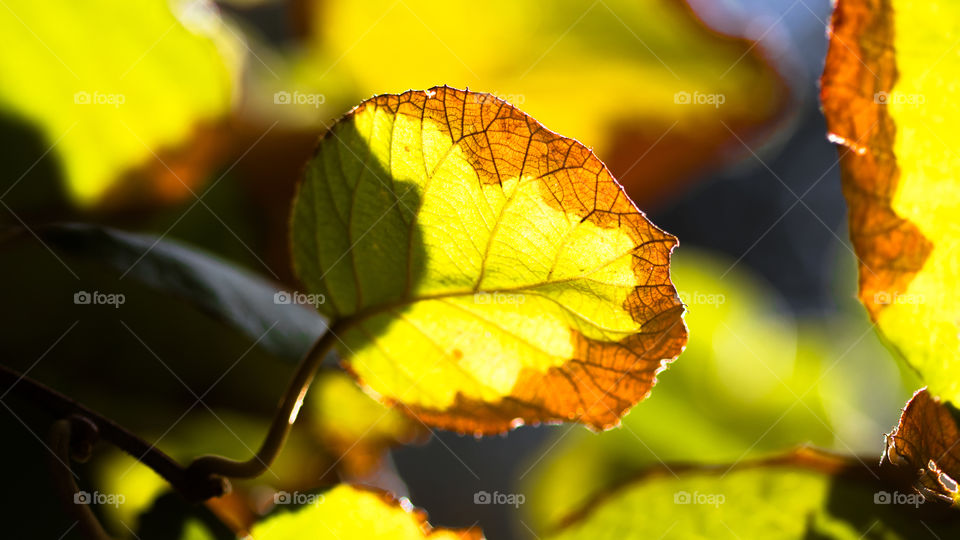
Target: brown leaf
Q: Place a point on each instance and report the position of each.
(927, 441)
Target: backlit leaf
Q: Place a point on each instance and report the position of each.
(890, 97)
(348, 513)
(796, 496)
(926, 444)
(481, 270)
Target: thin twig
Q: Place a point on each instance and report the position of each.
(193, 488)
(283, 419)
(206, 476)
(65, 486)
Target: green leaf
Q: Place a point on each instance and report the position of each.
(111, 83)
(232, 295)
(481, 270)
(797, 496)
(346, 513)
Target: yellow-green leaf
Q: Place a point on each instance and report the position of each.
(110, 84)
(349, 513)
(480, 269)
(801, 495)
(890, 97)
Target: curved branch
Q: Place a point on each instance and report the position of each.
(283, 419)
(206, 476)
(193, 488)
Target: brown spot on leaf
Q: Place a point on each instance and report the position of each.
(860, 66)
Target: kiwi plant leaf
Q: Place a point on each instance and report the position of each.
(220, 289)
(110, 85)
(481, 270)
(889, 97)
(349, 512)
(801, 494)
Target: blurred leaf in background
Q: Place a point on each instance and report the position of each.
(354, 426)
(646, 84)
(113, 84)
(804, 494)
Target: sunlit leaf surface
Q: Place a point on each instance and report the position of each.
(480, 269)
(349, 513)
(890, 97)
(111, 83)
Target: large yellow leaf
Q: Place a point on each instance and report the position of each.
(480, 269)
(890, 96)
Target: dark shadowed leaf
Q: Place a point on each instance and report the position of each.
(235, 296)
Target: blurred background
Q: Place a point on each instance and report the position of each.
(190, 121)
